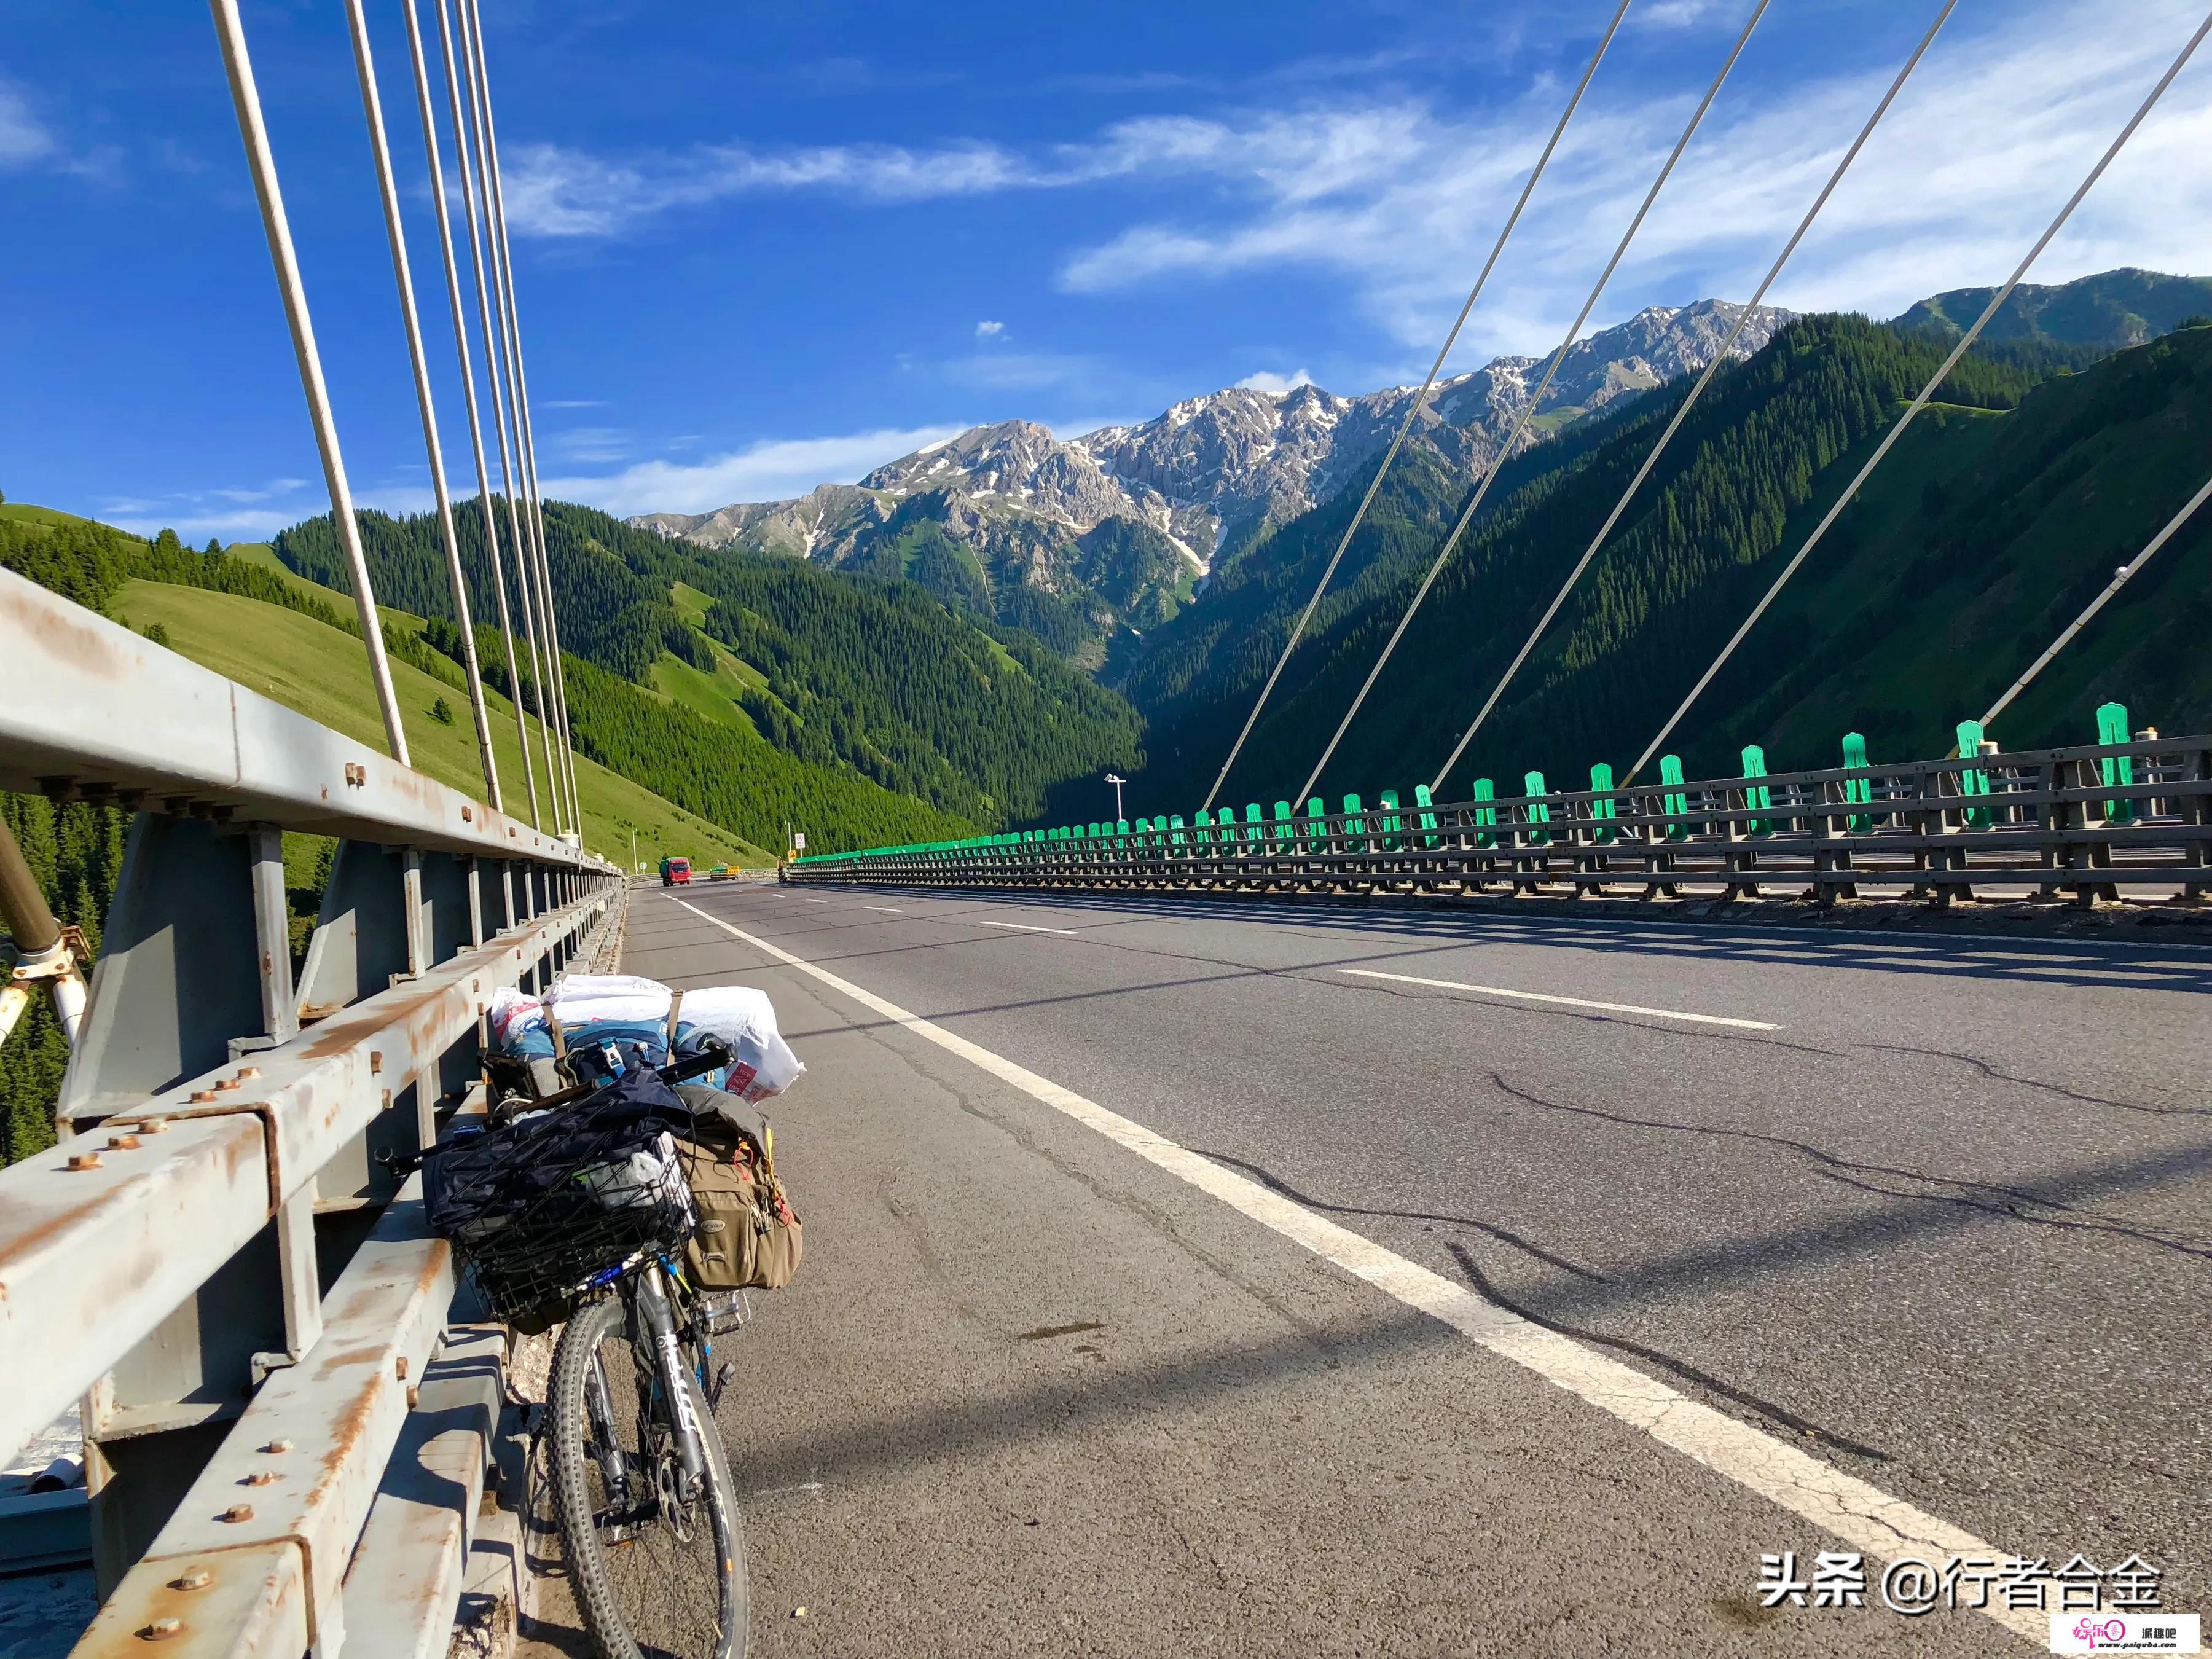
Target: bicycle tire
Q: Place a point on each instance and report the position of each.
(638, 1602)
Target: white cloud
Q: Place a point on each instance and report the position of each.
(555, 191)
(773, 470)
(590, 446)
(23, 138)
(241, 514)
(1677, 14)
(1401, 202)
(987, 330)
(144, 518)
(1028, 371)
(1275, 385)
(1398, 199)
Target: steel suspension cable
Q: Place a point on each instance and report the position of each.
(2120, 577)
(1505, 450)
(1697, 392)
(1420, 403)
(1926, 392)
(469, 140)
(424, 107)
(527, 442)
(246, 99)
(549, 691)
(372, 110)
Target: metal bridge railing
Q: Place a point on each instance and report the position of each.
(2087, 822)
(216, 1261)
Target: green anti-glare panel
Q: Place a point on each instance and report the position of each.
(1532, 784)
(1604, 806)
(1423, 797)
(1756, 795)
(1857, 790)
(1972, 780)
(1670, 771)
(2118, 770)
(1485, 818)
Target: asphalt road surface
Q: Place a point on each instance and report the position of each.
(1207, 1278)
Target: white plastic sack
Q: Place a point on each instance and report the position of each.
(512, 1013)
(743, 1018)
(622, 999)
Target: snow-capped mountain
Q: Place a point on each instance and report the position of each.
(1210, 463)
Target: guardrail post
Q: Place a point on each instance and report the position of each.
(2195, 812)
(298, 1266)
(415, 916)
(1349, 844)
(272, 928)
(474, 870)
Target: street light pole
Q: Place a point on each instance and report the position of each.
(1117, 781)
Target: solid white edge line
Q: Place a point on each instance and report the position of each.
(1025, 927)
(1861, 1515)
(1570, 1002)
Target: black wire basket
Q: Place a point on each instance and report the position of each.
(548, 1208)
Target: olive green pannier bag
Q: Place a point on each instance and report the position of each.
(747, 1236)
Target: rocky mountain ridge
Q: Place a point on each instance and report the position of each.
(1211, 467)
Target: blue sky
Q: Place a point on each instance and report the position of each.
(760, 246)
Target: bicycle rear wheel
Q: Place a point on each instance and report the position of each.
(656, 1577)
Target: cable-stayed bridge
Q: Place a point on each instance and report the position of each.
(1537, 1256)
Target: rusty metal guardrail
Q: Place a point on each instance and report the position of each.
(2083, 823)
(215, 1261)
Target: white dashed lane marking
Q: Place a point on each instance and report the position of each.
(1863, 1517)
(1027, 927)
(1570, 1002)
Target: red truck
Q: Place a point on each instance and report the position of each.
(676, 872)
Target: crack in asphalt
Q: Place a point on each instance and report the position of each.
(1486, 1288)
(2063, 1092)
(1490, 1229)
(2000, 1200)
(1766, 1408)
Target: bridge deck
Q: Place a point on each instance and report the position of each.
(1942, 1226)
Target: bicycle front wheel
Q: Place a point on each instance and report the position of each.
(659, 1573)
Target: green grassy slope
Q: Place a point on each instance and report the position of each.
(871, 679)
(323, 675)
(44, 517)
(711, 697)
